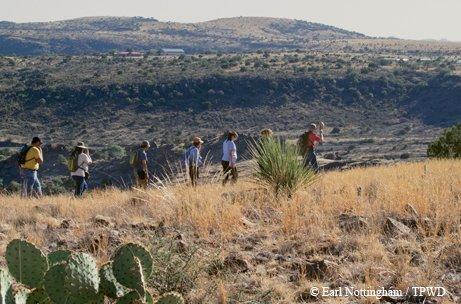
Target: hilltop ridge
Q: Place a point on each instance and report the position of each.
(103, 34)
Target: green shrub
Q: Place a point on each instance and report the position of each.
(448, 145)
(278, 167)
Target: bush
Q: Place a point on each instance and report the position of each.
(448, 145)
(278, 167)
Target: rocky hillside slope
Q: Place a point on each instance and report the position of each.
(104, 34)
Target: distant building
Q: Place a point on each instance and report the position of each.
(172, 52)
(129, 54)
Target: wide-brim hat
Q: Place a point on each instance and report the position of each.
(81, 145)
(145, 144)
(197, 140)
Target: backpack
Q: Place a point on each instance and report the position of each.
(134, 158)
(72, 162)
(303, 144)
(23, 154)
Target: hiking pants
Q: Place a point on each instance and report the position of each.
(311, 161)
(228, 171)
(30, 181)
(141, 179)
(80, 185)
(194, 175)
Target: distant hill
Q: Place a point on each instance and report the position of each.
(104, 34)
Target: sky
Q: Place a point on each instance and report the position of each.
(411, 19)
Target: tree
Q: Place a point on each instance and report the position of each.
(448, 145)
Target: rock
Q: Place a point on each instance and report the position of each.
(49, 209)
(393, 227)
(144, 226)
(411, 211)
(181, 246)
(450, 257)
(247, 223)
(236, 263)
(103, 221)
(352, 222)
(263, 257)
(315, 269)
(5, 228)
(67, 223)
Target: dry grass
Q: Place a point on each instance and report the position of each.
(245, 219)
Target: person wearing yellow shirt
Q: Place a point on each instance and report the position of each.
(28, 170)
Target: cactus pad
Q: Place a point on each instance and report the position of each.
(171, 298)
(109, 285)
(54, 283)
(82, 277)
(131, 298)
(98, 299)
(26, 263)
(6, 281)
(123, 257)
(57, 257)
(38, 296)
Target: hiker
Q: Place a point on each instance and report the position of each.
(266, 133)
(308, 143)
(138, 161)
(229, 158)
(193, 159)
(30, 159)
(81, 161)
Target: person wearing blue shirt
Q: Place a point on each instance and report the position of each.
(193, 160)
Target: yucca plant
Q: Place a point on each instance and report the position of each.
(277, 166)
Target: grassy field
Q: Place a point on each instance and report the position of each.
(391, 226)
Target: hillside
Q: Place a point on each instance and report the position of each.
(391, 228)
(378, 108)
(105, 34)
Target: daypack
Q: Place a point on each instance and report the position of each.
(22, 155)
(134, 158)
(72, 162)
(303, 143)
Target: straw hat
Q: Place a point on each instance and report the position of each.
(197, 140)
(145, 144)
(81, 145)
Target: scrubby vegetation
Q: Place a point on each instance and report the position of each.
(448, 145)
(278, 167)
(394, 226)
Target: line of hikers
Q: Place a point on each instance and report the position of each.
(31, 158)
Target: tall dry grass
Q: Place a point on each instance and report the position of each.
(223, 216)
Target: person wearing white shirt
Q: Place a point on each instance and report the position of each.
(229, 158)
(80, 175)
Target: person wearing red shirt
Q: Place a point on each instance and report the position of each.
(312, 139)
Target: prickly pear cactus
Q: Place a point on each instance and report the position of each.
(171, 298)
(82, 277)
(131, 298)
(98, 299)
(123, 259)
(26, 263)
(57, 257)
(109, 285)
(54, 283)
(38, 296)
(6, 282)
